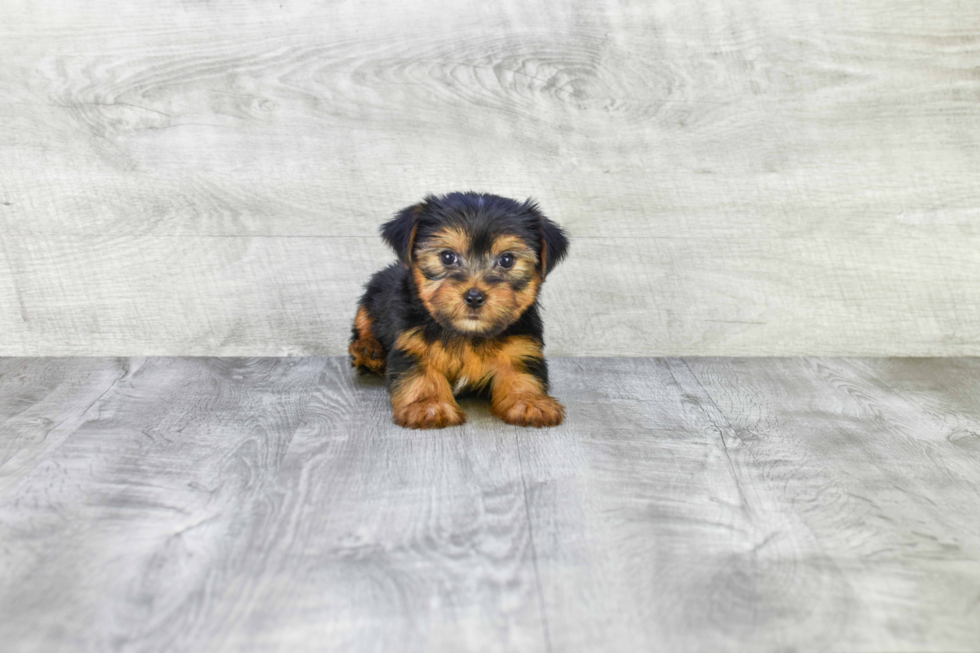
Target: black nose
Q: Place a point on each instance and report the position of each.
(474, 298)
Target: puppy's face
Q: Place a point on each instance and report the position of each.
(478, 260)
(475, 283)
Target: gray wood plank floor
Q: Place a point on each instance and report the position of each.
(191, 504)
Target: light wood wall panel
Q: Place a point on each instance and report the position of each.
(739, 178)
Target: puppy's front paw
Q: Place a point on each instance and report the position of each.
(533, 410)
(429, 414)
(369, 354)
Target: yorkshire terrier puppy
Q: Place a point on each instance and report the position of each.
(459, 311)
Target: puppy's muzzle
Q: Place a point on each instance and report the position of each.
(474, 298)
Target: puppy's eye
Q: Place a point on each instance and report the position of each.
(448, 258)
(506, 261)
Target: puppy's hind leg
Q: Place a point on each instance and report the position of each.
(366, 353)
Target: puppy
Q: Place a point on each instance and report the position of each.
(459, 311)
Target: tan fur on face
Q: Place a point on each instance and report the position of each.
(443, 297)
(453, 238)
(514, 245)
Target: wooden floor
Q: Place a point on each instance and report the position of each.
(189, 504)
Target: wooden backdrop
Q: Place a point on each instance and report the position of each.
(739, 178)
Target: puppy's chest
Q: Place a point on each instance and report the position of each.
(463, 365)
(469, 365)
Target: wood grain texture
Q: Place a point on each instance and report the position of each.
(743, 178)
(185, 504)
(256, 505)
(866, 457)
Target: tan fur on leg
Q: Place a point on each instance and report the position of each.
(519, 397)
(366, 352)
(424, 400)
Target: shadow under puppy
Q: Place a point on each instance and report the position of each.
(459, 312)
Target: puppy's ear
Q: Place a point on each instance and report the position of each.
(554, 241)
(399, 232)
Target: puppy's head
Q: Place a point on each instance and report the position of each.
(478, 260)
